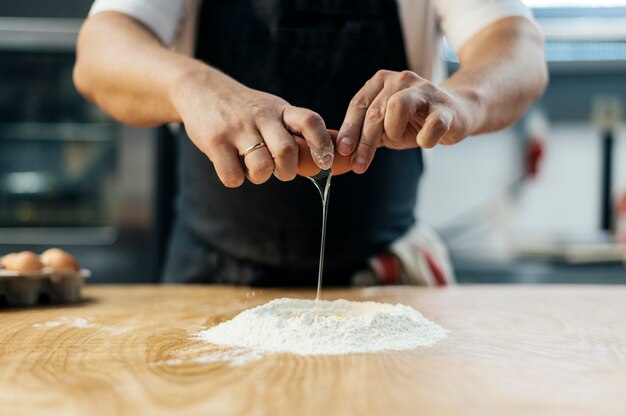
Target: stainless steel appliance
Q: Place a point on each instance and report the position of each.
(69, 175)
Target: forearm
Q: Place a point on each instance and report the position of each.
(502, 72)
(122, 67)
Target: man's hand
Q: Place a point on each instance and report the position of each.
(226, 118)
(400, 110)
(125, 69)
(502, 71)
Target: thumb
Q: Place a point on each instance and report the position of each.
(311, 127)
(306, 166)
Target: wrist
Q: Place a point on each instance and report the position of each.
(184, 80)
(470, 108)
(196, 81)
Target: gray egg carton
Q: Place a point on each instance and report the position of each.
(28, 289)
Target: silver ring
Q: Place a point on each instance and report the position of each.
(252, 149)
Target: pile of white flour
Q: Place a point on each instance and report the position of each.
(309, 327)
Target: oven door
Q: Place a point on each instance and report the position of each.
(69, 175)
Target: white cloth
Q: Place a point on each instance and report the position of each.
(173, 20)
(419, 257)
(162, 17)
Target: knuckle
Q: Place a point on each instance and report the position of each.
(236, 126)
(264, 167)
(375, 114)
(408, 76)
(360, 102)
(366, 148)
(444, 122)
(427, 141)
(395, 104)
(313, 119)
(426, 85)
(259, 164)
(217, 138)
(392, 139)
(439, 124)
(286, 150)
(381, 73)
(261, 113)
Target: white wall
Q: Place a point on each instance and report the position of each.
(461, 177)
(564, 199)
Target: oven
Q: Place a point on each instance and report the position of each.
(70, 176)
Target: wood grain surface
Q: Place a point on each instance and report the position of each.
(129, 350)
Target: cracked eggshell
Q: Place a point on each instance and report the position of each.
(306, 165)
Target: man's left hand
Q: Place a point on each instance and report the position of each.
(401, 110)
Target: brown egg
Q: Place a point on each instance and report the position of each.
(6, 259)
(306, 165)
(57, 259)
(23, 262)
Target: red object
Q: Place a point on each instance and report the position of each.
(534, 155)
(440, 279)
(390, 269)
(622, 205)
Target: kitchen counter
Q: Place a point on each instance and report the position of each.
(129, 350)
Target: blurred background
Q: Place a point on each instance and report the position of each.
(542, 202)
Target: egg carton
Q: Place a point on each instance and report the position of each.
(28, 289)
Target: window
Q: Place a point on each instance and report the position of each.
(580, 35)
(574, 3)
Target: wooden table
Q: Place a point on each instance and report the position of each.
(129, 350)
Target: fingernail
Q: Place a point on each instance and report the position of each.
(359, 164)
(327, 161)
(345, 146)
(323, 158)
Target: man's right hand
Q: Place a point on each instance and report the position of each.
(128, 72)
(226, 118)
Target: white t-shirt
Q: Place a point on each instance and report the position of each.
(173, 22)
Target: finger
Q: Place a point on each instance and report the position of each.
(310, 125)
(259, 164)
(453, 136)
(341, 164)
(227, 165)
(436, 126)
(372, 132)
(350, 131)
(401, 107)
(282, 148)
(306, 166)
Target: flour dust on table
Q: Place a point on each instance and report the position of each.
(310, 327)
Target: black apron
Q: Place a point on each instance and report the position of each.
(315, 54)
